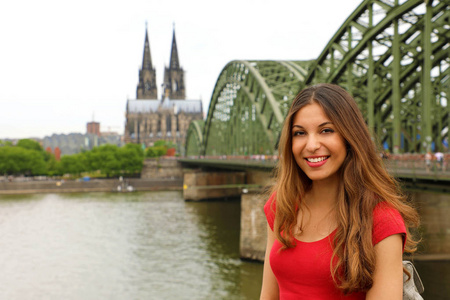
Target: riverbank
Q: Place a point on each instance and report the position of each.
(93, 185)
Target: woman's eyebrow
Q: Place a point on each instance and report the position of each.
(320, 125)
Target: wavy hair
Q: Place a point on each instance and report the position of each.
(364, 183)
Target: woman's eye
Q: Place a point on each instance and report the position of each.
(328, 130)
(296, 133)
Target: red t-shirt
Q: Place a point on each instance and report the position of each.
(303, 272)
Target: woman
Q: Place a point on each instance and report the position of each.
(336, 219)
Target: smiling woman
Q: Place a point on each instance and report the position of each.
(317, 147)
(337, 222)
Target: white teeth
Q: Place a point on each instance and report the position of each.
(317, 159)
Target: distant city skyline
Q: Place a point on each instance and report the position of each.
(61, 63)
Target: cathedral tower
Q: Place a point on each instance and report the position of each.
(147, 88)
(174, 75)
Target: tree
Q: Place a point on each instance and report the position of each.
(5, 143)
(159, 148)
(105, 159)
(131, 160)
(53, 166)
(30, 144)
(73, 164)
(18, 160)
(156, 151)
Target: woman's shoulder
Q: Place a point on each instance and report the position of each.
(271, 201)
(387, 221)
(384, 209)
(269, 209)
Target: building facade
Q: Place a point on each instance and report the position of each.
(73, 143)
(149, 119)
(93, 128)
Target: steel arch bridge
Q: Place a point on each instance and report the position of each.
(392, 55)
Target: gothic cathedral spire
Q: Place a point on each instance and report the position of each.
(147, 88)
(174, 75)
(174, 63)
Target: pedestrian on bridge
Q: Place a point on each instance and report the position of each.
(337, 221)
(440, 159)
(428, 158)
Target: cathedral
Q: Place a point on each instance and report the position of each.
(150, 118)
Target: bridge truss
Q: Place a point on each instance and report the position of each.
(392, 55)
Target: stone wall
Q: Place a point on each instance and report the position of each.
(434, 210)
(212, 185)
(262, 178)
(157, 168)
(253, 226)
(94, 185)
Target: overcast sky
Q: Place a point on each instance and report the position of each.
(65, 63)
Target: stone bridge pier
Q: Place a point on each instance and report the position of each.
(433, 208)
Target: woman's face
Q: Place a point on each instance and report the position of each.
(317, 147)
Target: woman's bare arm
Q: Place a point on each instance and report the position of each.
(269, 290)
(388, 276)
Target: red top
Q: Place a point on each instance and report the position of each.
(303, 272)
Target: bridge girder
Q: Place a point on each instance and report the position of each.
(194, 138)
(392, 55)
(248, 105)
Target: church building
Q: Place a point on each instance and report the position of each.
(149, 118)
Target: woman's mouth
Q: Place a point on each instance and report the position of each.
(316, 161)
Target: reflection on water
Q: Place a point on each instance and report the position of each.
(122, 246)
(135, 246)
(220, 224)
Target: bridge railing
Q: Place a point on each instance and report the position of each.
(405, 165)
(416, 166)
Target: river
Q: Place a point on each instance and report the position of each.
(149, 245)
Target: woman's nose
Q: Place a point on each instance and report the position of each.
(313, 143)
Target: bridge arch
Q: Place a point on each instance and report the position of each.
(248, 105)
(392, 55)
(194, 138)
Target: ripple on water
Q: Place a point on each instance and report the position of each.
(119, 246)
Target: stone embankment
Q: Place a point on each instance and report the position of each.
(94, 185)
(157, 174)
(157, 168)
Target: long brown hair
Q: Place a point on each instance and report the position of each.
(364, 183)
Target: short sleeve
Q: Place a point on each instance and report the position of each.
(269, 210)
(387, 221)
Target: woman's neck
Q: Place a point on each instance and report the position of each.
(323, 193)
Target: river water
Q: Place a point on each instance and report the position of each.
(122, 246)
(149, 245)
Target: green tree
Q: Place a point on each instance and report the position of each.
(105, 159)
(5, 143)
(159, 148)
(29, 144)
(73, 164)
(53, 166)
(156, 151)
(131, 160)
(18, 160)
(110, 160)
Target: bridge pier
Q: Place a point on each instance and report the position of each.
(199, 185)
(433, 207)
(434, 210)
(253, 235)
